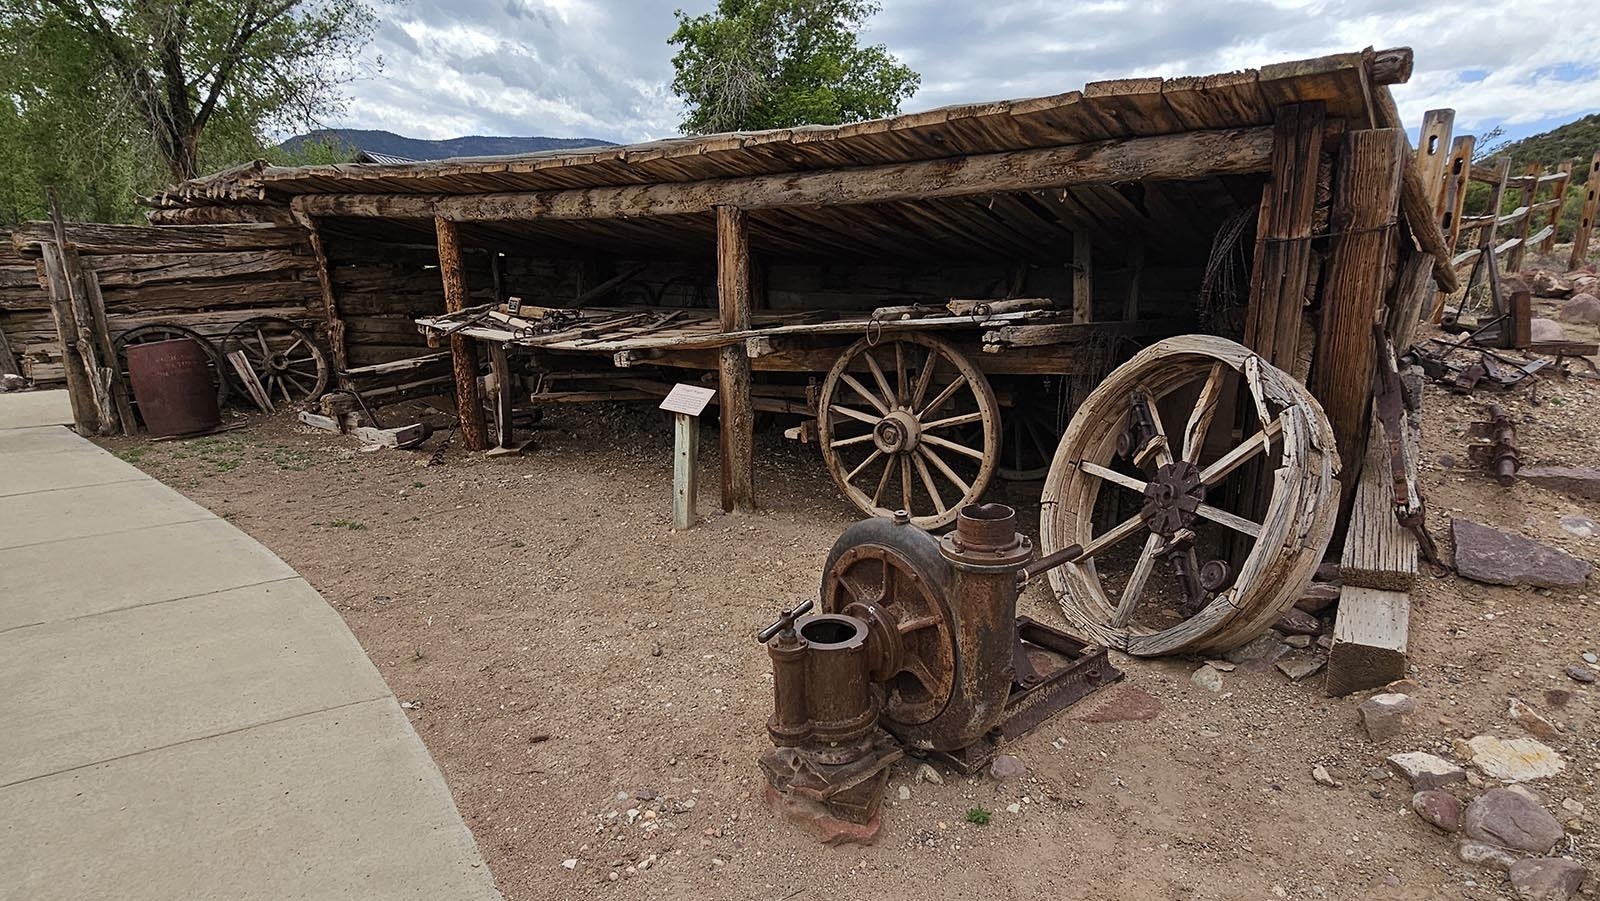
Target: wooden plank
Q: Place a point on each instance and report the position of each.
(501, 367)
(733, 308)
(1178, 156)
(463, 350)
(1563, 183)
(1415, 200)
(1369, 639)
(1378, 551)
(685, 464)
(121, 392)
(1366, 203)
(1591, 209)
(8, 359)
(95, 366)
(330, 300)
(1280, 279)
(1530, 188)
(1433, 155)
(1082, 278)
(94, 239)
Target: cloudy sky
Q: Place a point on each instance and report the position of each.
(601, 68)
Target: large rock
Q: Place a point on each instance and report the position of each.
(1259, 653)
(1512, 820)
(1440, 809)
(1547, 879)
(1582, 308)
(1298, 622)
(1514, 759)
(1545, 283)
(1425, 771)
(1484, 855)
(1542, 330)
(1386, 715)
(1576, 481)
(1494, 557)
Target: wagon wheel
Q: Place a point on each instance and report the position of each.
(149, 334)
(1139, 443)
(1030, 430)
(889, 426)
(283, 356)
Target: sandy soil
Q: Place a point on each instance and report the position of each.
(565, 651)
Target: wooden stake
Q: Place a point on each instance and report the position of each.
(1559, 195)
(1456, 178)
(501, 367)
(330, 301)
(1082, 278)
(1433, 154)
(738, 415)
(100, 376)
(685, 462)
(1591, 208)
(1280, 278)
(463, 350)
(1366, 206)
(1530, 189)
(85, 417)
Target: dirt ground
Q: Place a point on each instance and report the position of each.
(564, 652)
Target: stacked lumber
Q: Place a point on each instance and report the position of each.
(27, 334)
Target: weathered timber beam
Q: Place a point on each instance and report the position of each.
(463, 351)
(1177, 156)
(1416, 200)
(733, 384)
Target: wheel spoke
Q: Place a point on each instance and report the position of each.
(866, 395)
(936, 441)
(925, 378)
(1122, 530)
(265, 350)
(905, 482)
(846, 442)
(1158, 445)
(952, 421)
(1223, 517)
(1194, 432)
(297, 342)
(927, 482)
(863, 465)
(883, 482)
(1111, 475)
(1136, 582)
(290, 377)
(899, 373)
(878, 376)
(857, 415)
(945, 395)
(944, 469)
(1237, 457)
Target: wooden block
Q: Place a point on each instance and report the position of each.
(318, 421)
(1369, 639)
(404, 436)
(685, 462)
(1378, 552)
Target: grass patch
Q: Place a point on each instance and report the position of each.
(133, 454)
(977, 816)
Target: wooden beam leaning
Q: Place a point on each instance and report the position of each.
(1591, 208)
(102, 376)
(1433, 154)
(463, 351)
(733, 393)
(330, 301)
(1366, 206)
(1456, 179)
(1280, 278)
(1177, 156)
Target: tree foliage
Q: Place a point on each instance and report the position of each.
(756, 64)
(108, 98)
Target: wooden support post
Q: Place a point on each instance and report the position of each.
(1369, 639)
(85, 417)
(1280, 278)
(1591, 208)
(501, 367)
(1559, 195)
(121, 391)
(1433, 154)
(101, 376)
(1530, 190)
(1130, 306)
(330, 301)
(1082, 278)
(463, 350)
(685, 463)
(1366, 205)
(737, 413)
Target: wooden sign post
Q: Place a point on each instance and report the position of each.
(686, 402)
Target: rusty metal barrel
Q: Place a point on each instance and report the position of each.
(174, 387)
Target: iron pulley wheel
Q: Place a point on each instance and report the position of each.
(160, 331)
(909, 423)
(284, 357)
(1199, 480)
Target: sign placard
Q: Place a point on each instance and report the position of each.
(690, 399)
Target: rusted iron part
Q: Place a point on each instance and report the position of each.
(1172, 497)
(1496, 446)
(172, 381)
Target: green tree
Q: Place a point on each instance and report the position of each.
(106, 98)
(756, 64)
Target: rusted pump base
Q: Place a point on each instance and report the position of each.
(815, 819)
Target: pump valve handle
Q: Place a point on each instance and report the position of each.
(785, 621)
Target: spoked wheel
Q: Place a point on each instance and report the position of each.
(1176, 555)
(1031, 428)
(149, 334)
(286, 360)
(890, 423)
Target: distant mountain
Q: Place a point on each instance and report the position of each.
(1579, 138)
(388, 143)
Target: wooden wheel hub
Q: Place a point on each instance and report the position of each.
(897, 433)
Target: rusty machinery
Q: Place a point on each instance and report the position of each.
(915, 645)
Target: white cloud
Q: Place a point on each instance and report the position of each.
(602, 68)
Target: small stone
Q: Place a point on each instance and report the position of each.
(1547, 879)
(1298, 622)
(570, 863)
(1574, 481)
(1299, 665)
(1321, 775)
(1386, 715)
(612, 876)
(1579, 526)
(1006, 767)
(1590, 657)
(1440, 809)
(1494, 557)
(1580, 674)
(926, 773)
(1222, 666)
(1318, 597)
(1447, 461)
(1484, 855)
(1530, 719)
(1325, 641)
(1573, 806)
(1510, 820)
(687, 803)
(1013, 807)
(1263, 650)
(1514, 759)
(904, 793)
(1300, 642)
(644, 794)
(1425, 771)
(1379, 774)
(1557, 697)
(1207, 678)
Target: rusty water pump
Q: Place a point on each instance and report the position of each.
(915, 646)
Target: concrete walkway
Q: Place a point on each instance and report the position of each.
(181, 715)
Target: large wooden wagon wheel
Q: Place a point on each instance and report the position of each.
(285, 358)
(160, 331)
(890, 421)
(1031, 428)
(1178, 556)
